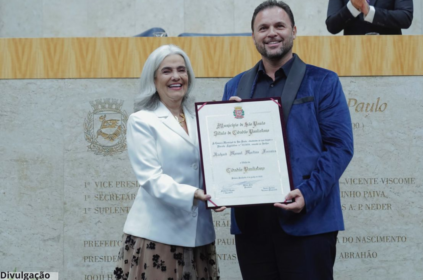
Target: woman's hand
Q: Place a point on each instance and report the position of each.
(220, 209)
(200, 195)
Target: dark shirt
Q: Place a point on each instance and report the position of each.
(266, 87)
(263, 218)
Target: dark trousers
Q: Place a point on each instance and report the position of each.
(279, 256)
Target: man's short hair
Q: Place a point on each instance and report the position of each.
(270, 4)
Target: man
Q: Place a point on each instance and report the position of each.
(298, 240)
(359, 17)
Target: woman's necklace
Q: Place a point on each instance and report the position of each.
(182, 120)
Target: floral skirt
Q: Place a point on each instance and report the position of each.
(142, 259)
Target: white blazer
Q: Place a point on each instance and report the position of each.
(166, 162)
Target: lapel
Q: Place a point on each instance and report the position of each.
(372, 2)
(292, 85)
(192, 126)
(247, 83)
(169, 120)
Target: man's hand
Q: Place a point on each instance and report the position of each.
(296, 206)
(365, 8)
(361, 5)
(235, 98)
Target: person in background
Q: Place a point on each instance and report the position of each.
(360, 17)
(294, 241)
(169, 232)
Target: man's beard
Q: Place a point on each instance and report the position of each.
(282, 52)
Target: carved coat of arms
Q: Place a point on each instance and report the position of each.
(105, 127)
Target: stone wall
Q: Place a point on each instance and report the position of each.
(125, 18)
(64, 197)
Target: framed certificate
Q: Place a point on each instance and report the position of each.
(244, 152)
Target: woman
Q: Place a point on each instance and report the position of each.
(169, 233)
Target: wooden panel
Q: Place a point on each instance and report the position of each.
(55, 58)
(364, 55)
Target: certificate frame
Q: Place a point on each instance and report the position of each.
(244, 152)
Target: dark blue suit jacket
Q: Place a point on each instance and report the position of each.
(320, 145)
(391, 16)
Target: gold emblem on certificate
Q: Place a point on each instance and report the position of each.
(238, 113)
